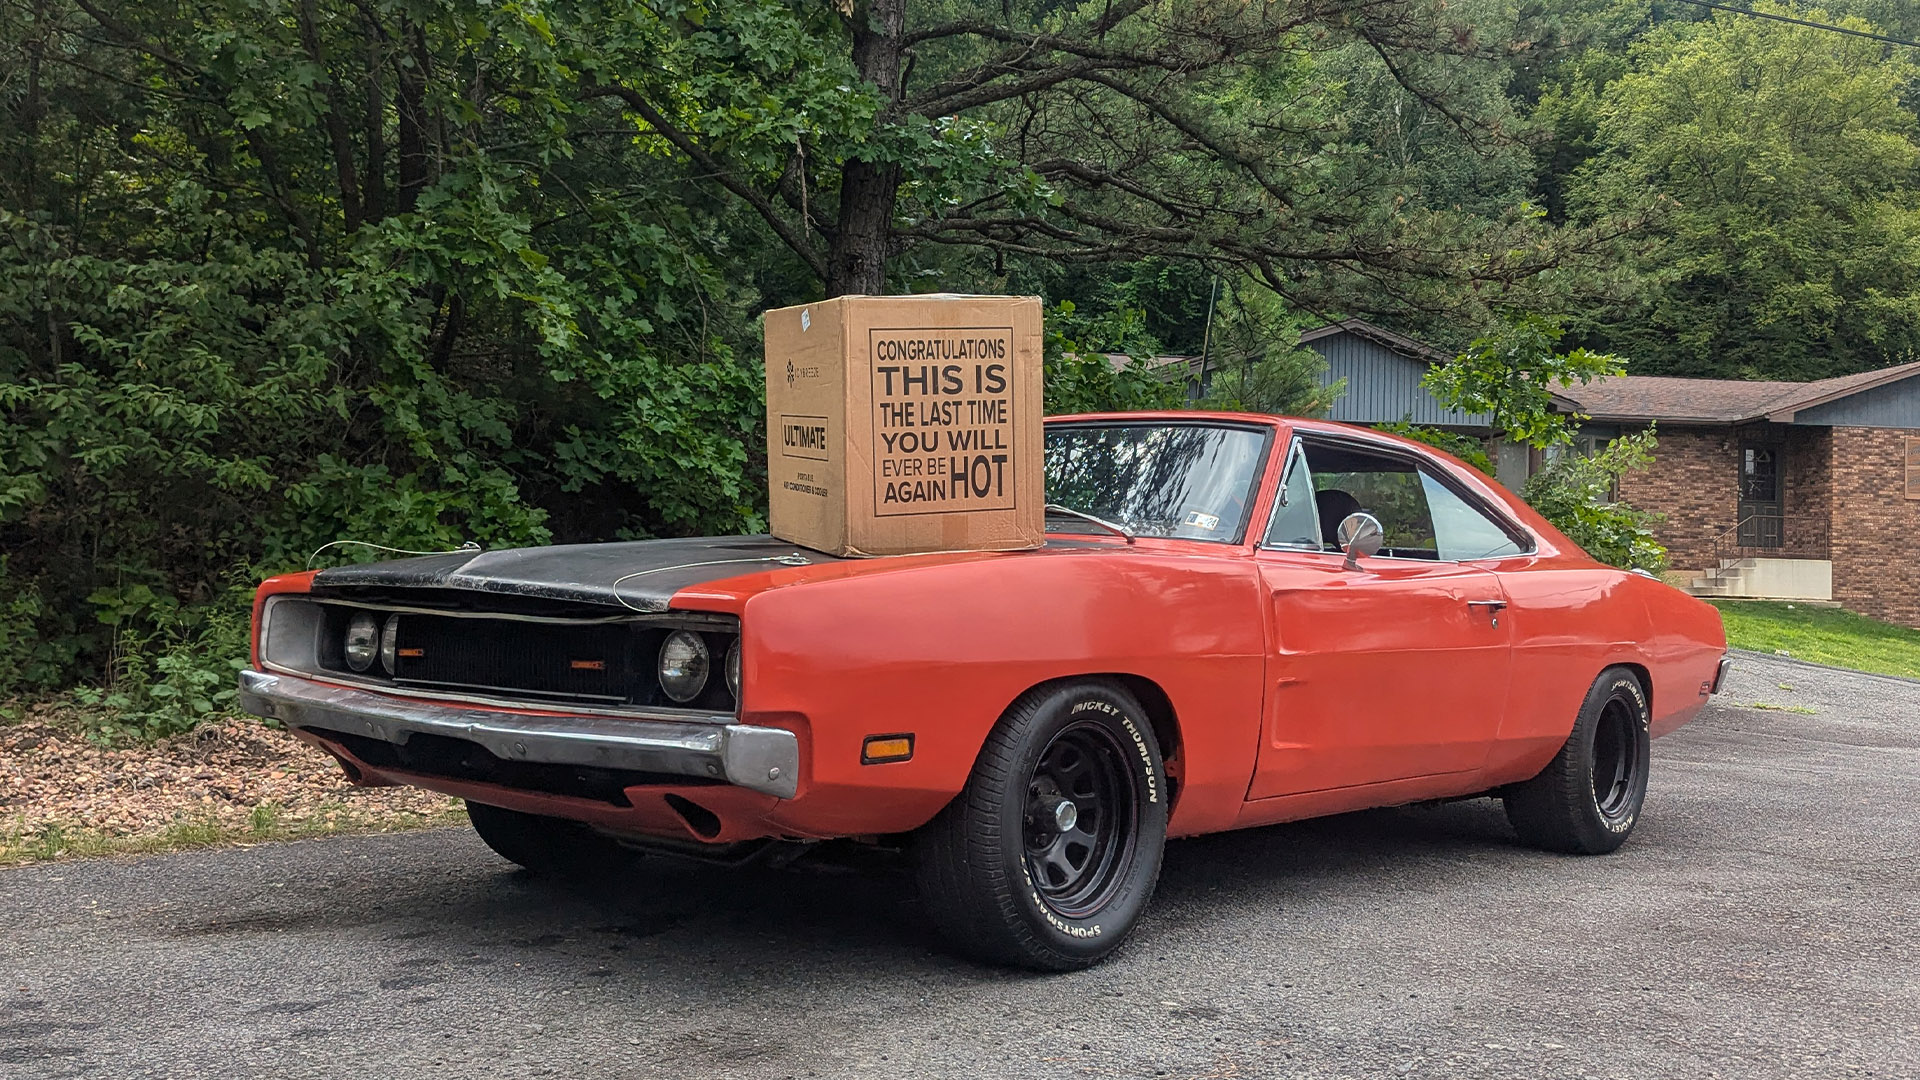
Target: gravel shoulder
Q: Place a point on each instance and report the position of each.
(1761, 924)
(231, 781)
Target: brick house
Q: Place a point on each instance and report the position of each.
(1780, 489)
(1769, 489)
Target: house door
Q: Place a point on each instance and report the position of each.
(1759, 508)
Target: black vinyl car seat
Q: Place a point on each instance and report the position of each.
(1333, 505)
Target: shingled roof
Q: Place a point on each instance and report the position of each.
(1379, 335)
(1719, 401)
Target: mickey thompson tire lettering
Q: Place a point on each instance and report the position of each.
(1139, 741)
(976, 860)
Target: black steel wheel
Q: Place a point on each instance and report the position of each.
(1588, 798)
(1050, 854)
(1618, 739)
(1082, 819)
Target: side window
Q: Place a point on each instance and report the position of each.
(1347, 480)
(1297, 524)
(1461, 531)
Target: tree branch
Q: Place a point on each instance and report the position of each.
(1111, 17)
(681, 141)
(960, 95)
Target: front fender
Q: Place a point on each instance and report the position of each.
(941, 651)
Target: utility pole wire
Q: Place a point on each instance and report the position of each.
(1802, 22)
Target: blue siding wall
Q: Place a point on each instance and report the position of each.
(1383, 386)
(1896, 405)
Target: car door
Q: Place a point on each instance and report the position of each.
(1394, 670)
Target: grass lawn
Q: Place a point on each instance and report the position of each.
(1823, 635)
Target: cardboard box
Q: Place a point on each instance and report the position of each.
(901, 424)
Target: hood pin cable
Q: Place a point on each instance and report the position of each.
(467, 548)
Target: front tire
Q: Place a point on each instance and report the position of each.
(548, 846)
(1049, 855)
(1588, 799)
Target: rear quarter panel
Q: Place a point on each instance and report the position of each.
(1573, 619)
(941, 649)
(1683, 649)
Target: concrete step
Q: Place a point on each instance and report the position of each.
(1766, 577)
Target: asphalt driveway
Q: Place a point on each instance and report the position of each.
(1765, 921)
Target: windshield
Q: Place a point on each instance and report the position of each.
(1193, 481)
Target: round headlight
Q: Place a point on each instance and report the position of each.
(733, 670)
(683, 665)
(389, 642)
(363, 640)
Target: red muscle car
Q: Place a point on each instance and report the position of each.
(1236, 620)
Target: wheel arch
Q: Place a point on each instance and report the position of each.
(1640, 672)
(1162, 718)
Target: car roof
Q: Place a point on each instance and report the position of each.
(1554, 542)
(1188, 415)
(1296, 423)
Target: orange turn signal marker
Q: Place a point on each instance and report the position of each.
(883, 748)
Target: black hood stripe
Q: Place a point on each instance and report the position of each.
(647, 572)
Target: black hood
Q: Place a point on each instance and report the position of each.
(647, 572)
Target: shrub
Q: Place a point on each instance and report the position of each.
(1465, 447)
(1577, 494)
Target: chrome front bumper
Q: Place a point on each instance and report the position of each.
(759, 758)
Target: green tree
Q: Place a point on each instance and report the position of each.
(1510, 374)
(1780, 162)
(1576, 493)
(1212, 131)
(1255, 358)
(273, 276)
(1082, 375)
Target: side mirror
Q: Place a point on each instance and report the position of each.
(1360, 534)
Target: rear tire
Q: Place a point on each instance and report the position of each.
(545, 845)
(1049, 855)
(1588, 799)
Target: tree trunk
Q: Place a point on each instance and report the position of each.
(415, 158)
(335, 119)
(857, 260)
(374, 121)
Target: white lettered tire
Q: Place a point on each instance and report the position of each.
(1050, 854)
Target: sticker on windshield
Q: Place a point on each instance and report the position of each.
(1202, 521)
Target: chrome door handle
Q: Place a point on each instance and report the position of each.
(1494, 608)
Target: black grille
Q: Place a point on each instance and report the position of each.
(603, 664)
(547, 659)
